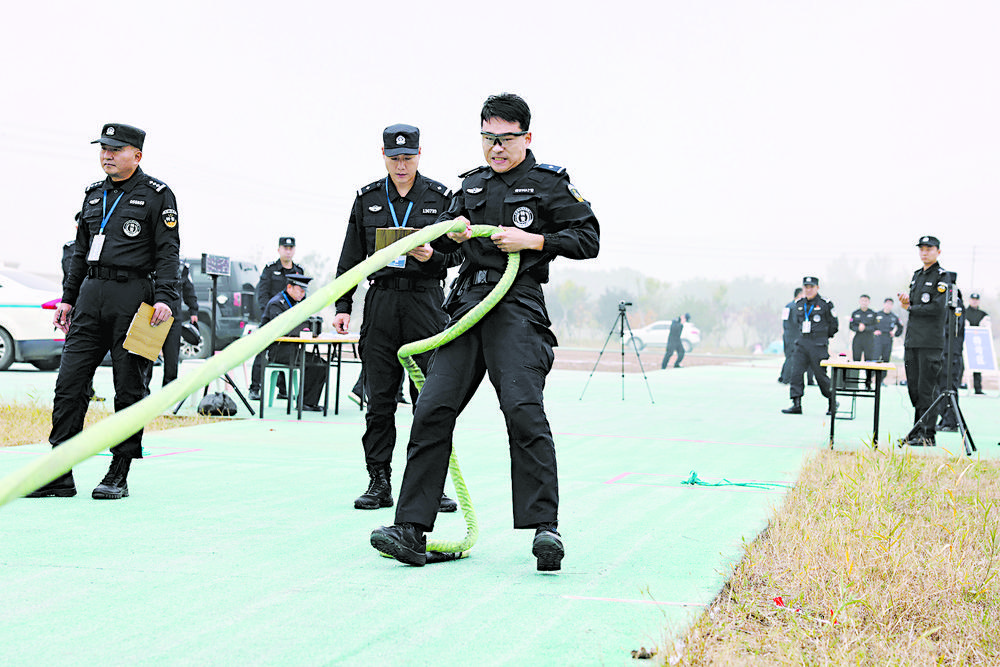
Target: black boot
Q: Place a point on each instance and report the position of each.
(447, 504)
(61, 487)
(547, 548)
(831, 411)
(379, 493)
(404, 542)
(795, 408)
(114, 485)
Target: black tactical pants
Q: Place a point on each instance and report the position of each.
(172, 351)
(100, 320)
(923, 367)
(392, 319)
(807, 357)
(516, 353)
(883, 347)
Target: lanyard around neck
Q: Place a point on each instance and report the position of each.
(392, 209)
(106, 212)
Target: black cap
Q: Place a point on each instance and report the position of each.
(298, 279)
(810, 280)
(974, 295)
(929, 240)
(190, 333)
(287, 240)
(118, 135)
(865, 296)
(401, 139)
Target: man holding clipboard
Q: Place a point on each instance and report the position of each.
(127, 237)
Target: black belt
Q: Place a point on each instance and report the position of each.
(406, 284)
(115, 273)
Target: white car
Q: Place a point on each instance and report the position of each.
(27, 305)
(656, 334)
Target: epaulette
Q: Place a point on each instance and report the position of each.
(551, 167)
(438, 187)
(94, 186)
(371, 186)
(157, 185)
(473, 171)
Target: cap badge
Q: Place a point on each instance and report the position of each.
(400, 140)
(924, 240)
(110, 131)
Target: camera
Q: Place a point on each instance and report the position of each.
(622, 305)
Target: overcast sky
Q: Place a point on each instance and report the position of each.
(714, 139)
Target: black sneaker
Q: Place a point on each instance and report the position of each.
(60, 487)
(447, 504)
(114, 485)
(254, 394)
(547, 547)
(404, 542)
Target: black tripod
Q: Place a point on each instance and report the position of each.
(949, 396)
(620, 323)
(211, 351)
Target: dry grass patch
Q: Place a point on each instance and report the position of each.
(25, 423)
(877, 557)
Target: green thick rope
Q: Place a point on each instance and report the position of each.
(767, 486)
(450, 550)
(119, 426)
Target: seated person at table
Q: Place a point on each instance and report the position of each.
(284, 353)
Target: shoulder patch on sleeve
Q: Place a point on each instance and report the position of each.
(94, 186)
(371, 186)
(551, 167)
(466, 174)
(576, 193)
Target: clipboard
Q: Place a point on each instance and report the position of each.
(143, 338)
(386, 236)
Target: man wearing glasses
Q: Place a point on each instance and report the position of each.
(541, 215)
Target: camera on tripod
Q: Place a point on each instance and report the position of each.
(622, 305)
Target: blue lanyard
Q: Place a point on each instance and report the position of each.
(287, 300)
(392, 209)
(106, 212)
(809, 312)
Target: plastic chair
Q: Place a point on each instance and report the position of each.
(271, 373)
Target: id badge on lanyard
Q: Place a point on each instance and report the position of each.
(97, 242)
(399, 262)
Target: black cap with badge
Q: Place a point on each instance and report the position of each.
(298, 279)
(119, 134)
(974, 295)
(401, 139)
(810, 280)
(930, 241)
(287, 240)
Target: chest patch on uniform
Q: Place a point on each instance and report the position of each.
(375, 208)
(94, 202)
(170, 217)
(137, 202)
(925, 297)
(473, 191)
(816, 318)
(576, 193)
(524, 191)
(131, 228)
(430, 210)
(523, 217)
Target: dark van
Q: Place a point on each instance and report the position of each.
(235, 309)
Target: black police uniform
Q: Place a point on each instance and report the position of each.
(974, 316)
(512, 343)
(887, 327)
(284, 353)
(402, 304)
(864, 341)
(924, 341)
(272, 282)
(812, 347)
(954, 336)
(172, 344)
(789, 334)
(140, 239)
(674, 344)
